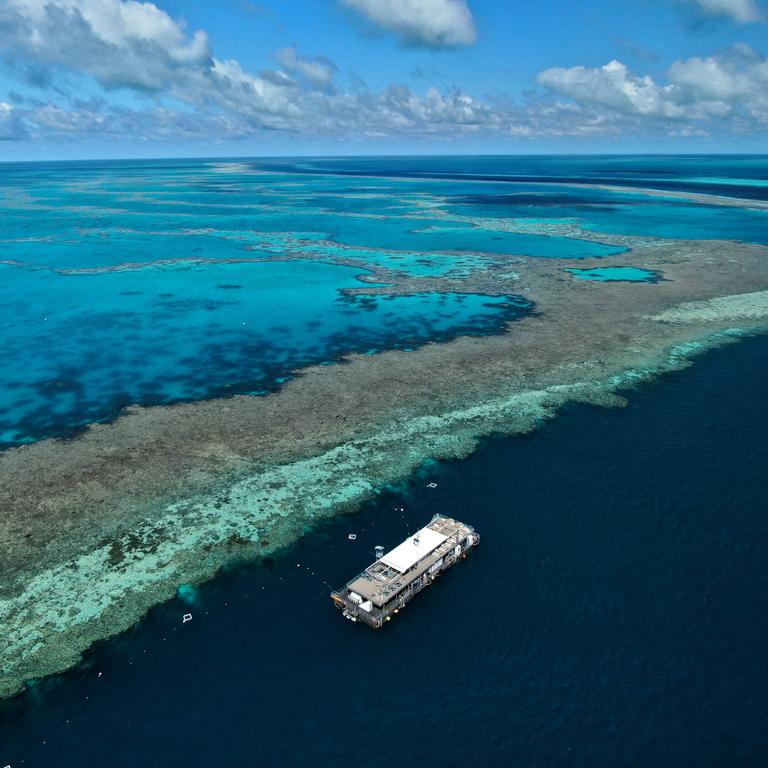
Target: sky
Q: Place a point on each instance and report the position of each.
(183, 78)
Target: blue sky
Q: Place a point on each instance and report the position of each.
(118, 78)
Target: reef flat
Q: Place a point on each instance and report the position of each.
(99, 528)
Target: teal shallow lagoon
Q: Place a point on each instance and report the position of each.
(77, 348)
(615, 274)
(208, 277)
(454, 236)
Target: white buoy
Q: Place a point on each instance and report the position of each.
(186, 617)
(352, 536)
(431, 485)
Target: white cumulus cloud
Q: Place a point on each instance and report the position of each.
(127, 44)
(736, 80)
(138, 46)
(431, 23)
(730, 83)
(612, 86)
(120, 43)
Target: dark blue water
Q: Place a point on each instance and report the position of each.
(733, 175)
(614, 615)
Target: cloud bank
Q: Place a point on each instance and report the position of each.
(179, 90)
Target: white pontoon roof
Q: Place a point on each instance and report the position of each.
(413, 549)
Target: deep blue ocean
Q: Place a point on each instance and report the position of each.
(616, 611)
(615, 614)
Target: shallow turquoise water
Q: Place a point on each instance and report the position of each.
(79, 347)
(156, 281)
(615, 274)
(455, 236)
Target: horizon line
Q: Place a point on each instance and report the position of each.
(322, 156)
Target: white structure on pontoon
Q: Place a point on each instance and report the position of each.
(383, 588)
